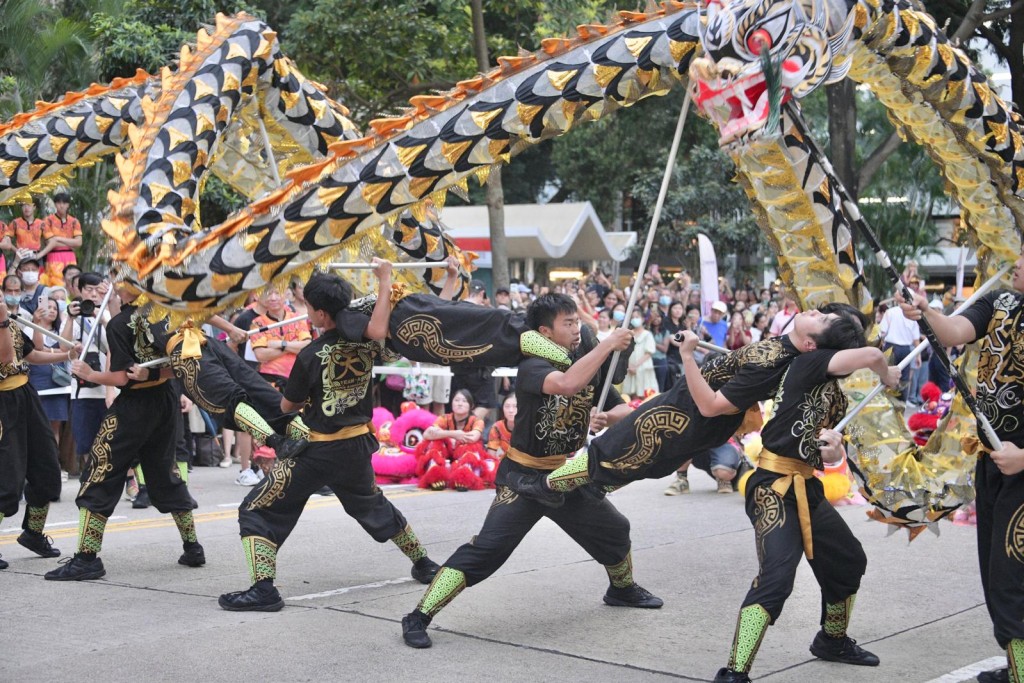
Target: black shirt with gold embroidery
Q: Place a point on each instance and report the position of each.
(132, 339)
(550, 425)
(807, 400)
(332, 376)
(998, 319)
(22, 347)
(664, 432)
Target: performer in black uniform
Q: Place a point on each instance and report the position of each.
(141, 425)
(786, 504)
(553, 420)
(330, 383)
(28, 450)
(997, 321)
(663, 433)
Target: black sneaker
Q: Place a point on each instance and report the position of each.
(592, 493)
(3, 563)
(261, 597)
(77, 568)
(632, 595)
(193, 555)
(729, 676)
(38, 543)
(414, 630)
(424, 569)
(844, 650)
(534, 487)
(142, 499)
(995, 676)
(285, 447)
(325, 491)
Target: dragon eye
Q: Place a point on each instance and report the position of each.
(759, 40)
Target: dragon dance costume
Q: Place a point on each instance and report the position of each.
(548, 428)
(28, 449)
(331, 377)
(141, 425)
(998, 318)
(786, 504)
(663, 433)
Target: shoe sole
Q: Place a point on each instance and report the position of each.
(831, 658)
(81, 577)
(275, 607)
(52, 553)
(615, 602)
(191, 564)
(418, 646)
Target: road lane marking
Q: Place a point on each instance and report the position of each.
(349, 589)
(971, 671)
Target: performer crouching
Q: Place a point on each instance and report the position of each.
(330, 384)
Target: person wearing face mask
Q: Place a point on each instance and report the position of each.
(618, 314)
(12, 296)
(32, 289)
(640, 376)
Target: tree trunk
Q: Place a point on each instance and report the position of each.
(1016, 60)
(495, 195)
(842, 132)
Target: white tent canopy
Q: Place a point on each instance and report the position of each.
(544, 231)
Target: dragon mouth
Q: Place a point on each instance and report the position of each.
(739, 107)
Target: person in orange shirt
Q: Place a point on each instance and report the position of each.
(5, 245)
(276, 349)
(26, 231)
(62, 234)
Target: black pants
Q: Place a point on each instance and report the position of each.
(272, 509)
(141, 426)
(220, 380)
(1000, 505)
(839, 560)
(28, 452)
(595, 525)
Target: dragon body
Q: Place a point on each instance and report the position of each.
(320, 190)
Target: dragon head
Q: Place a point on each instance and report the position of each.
(758, 54)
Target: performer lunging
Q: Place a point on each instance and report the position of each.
(28, 450)
(141, 426)
(663, 433)
(997, 321)
(330, 383)
(552, 422)
(786, 504)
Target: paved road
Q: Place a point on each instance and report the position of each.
(540, 618)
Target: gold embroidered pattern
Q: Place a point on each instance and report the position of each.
(770, 515)
(345, 374)
(261, 556)
(1015, 536)
(143, 342)
(503, 496)
(187, 370)
(99, 456)
(425, 331)
(822, 408)
(1001, 364)
(664, 422)
(273, 488)
(19, 366)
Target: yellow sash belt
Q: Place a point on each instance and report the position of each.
(340, 435)
(795, 472)
(14, 382)
(551, 462)
(190, 338)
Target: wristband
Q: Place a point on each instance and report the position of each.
(5, 324)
